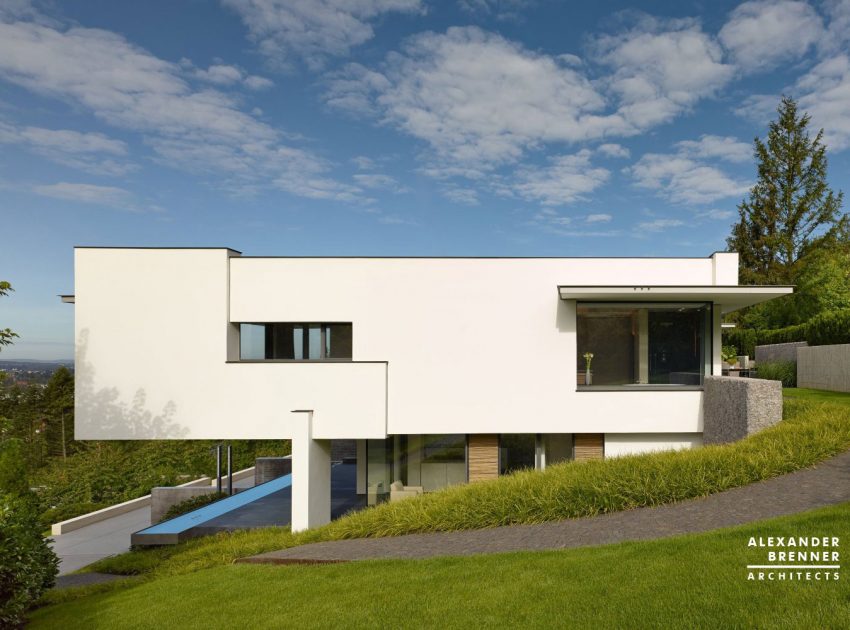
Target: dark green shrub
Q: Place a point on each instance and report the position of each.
(785, 371)
(28, 566)
(742, 339)
(788, 334)
(191, 504)
(828, 328)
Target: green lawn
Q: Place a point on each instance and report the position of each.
(816, 426)
(817, 395)
(682, 582)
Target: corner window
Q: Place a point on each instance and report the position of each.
(649, 344)
(295, 342)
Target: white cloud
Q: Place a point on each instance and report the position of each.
(91, 152)
(465, 196)
(659, 225)
(254, 82)
(660, 68)
(716, 214)
(223, 74)
(553, 222)
(499, 9)
(363, 163)
(480, 100)
(474, 97)
(87, 193)
(613, 150)
(313, 30)
(598, 218)
(394, 219)
(762, 33)
(838, 27)
(197, 130)
(825, 94)
(725, 148)
(566, 179)
(379, 181)
(220, 74)
(685, 180)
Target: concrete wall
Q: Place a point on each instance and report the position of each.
(778, 352)
(824, 367)
(163, 498)
(440, 345)
(153, 341)
(617, 444)
(738, 407)
(269, 468)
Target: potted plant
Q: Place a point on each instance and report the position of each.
(588, 375)
(729, 355)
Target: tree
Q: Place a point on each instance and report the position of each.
(791, 212)
(6, 335)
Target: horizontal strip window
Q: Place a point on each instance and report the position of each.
(285, 341)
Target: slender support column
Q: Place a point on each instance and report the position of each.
(218, 468)
(311, 475)
(229, 470)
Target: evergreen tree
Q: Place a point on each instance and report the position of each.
(791, 211)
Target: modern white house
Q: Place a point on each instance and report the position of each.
(444, 370)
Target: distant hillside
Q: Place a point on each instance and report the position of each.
(25, 371)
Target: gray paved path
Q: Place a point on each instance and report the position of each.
(91, 543)
(826, 484)
(84, 579)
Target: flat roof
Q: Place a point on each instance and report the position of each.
(729, 298)
(420, 257)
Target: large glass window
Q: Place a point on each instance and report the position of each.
(517, 451)
(431, 462)
(282, 340)
(643, 344)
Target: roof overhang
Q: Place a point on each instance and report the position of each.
(729, 298)
(67, 299)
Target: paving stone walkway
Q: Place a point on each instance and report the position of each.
(826, 484)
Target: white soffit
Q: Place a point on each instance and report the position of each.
(729, 298)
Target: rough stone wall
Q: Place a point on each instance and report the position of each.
(164, 498)
(824, 367)
(734, 408)
(778, 352)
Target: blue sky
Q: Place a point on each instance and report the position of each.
(390, 127)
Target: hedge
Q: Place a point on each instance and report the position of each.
(28, 566)
(831, 327)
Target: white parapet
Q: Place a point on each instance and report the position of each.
(311, 475)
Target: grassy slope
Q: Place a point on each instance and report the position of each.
(689, 581)
(815, 428)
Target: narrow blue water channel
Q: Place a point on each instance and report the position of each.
(200, 516)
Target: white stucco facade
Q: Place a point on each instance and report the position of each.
(439, 346)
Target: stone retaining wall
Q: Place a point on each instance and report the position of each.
(734, 408)
(779, 352)
(824, 367)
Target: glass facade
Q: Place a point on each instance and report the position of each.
(649, 344)
(296, 342)
(517, 451)
(430, 461)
